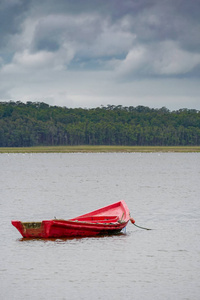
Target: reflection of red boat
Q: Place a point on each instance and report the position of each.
(107, 220)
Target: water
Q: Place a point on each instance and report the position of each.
(162, 192)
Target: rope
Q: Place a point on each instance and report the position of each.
(142, 227)
(133, 222)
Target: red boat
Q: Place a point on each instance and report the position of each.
(110, 219)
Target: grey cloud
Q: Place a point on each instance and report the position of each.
(63, 21)
(151, 22)
(54, 30)
(150, 19)
(100, 45)
(161, 59)
(166, 21)
(12, 14)
(114, 8)
(87, 36)
(4, 94)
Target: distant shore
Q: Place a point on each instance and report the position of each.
(99, 149)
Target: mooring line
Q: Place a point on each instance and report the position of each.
(133, 222)
(142, 227)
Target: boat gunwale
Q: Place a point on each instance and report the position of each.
(74, 224)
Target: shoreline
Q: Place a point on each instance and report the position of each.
(100, 149)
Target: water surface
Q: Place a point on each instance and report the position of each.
(162, 192)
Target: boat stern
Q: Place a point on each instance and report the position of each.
(32, 229)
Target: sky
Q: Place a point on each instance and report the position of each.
(88, 53)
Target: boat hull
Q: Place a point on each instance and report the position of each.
(107, 220)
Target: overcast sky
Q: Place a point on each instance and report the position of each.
(88, 53)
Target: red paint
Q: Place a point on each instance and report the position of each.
(107, 220)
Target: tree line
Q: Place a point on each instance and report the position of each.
(39, 124)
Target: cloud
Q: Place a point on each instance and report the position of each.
(104, 32)
(76, 50)
(12, 14)
(25, 62)
(160, 59)
(88, 36)
(53, 30)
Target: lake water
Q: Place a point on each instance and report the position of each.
(162, 192)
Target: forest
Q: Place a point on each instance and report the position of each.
(39, 124)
